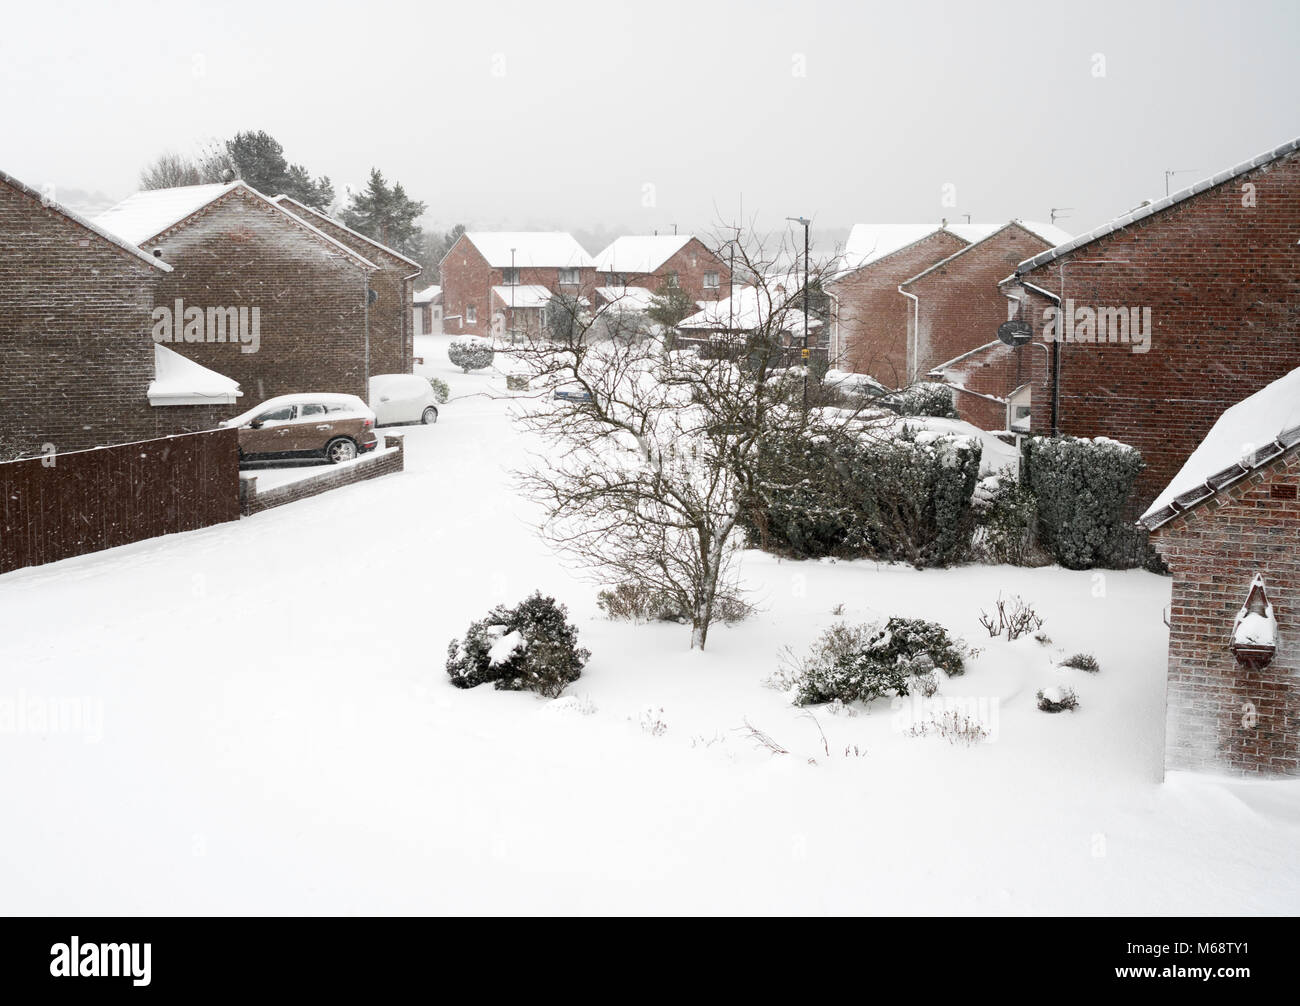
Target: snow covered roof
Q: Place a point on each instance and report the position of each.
(307, 213)
(532, 249)
(1157, 206)
(147, 214)
(524, 295)
(750, 308)
(178, 380)
(1250, 434)
(640, 254)
(870, 243)
(95, 228)
(428, 295)
(629, 298)
(1044, 232)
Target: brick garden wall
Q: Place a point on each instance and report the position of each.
(251, 501)
(1223, 282)
(1214, 551)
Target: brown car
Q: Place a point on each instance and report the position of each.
(334, 427)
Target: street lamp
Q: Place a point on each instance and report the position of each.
(806, 223)
(514, 282)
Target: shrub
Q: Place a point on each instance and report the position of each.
(531, 646)
(924, 400)
(1057, 699)
(1008, 518)
(953, 726)
(859, 663)
(1082, 662)
(469, 352)
(1014, 618)
(1082, 488)
(634, 601)
(440, 390)
(895, 495)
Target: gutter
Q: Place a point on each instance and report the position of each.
(912, 352)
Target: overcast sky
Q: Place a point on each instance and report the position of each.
(630, 117)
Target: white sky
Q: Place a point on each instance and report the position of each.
(699, 99)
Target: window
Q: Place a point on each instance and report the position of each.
(617, 279)
(712, 280)
(310, 410)
(471, 314)
(275, 416)
(510, 277)
(568, 277)
(670, 278)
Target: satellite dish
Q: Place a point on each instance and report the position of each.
(1015, 332)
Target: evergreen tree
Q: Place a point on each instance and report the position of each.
(669, 304)
(386, 214)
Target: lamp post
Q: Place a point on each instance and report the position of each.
(805, 356)
(514, 282)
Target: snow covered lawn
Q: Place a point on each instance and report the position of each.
(263, 724)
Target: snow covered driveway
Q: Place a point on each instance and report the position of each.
(255, 717)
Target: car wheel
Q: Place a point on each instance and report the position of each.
(430, 416)
(340, 449)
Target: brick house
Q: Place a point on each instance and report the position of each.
(1199, 296)
(870, 331)
(80, 369)
(649, 260)
(392, 285)
(264, 297)
(956, 308)
(1228, 526)
(776, 306)
(427, 311)
(480, 268)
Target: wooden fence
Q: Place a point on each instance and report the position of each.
(63, 505)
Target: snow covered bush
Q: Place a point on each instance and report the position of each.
(924, 400)
(1082, 662)
(954, 726)
(469, 352)
(529, 647)
(1057, 699)
(440, 390)
(639, 602)
(1082, 488)
(1008, 517)
(895, 494)
(859, 663)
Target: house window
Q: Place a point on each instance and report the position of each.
(510, 277)
(471, 314)
(568, 277)
(712, 280)
(670, 278)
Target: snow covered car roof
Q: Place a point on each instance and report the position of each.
(347, 403)
(406, 385)
(1249, 434)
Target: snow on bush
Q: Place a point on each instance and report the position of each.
(1008, 517)
(639, 602)
(441, 392)
(1056, 699)
(887, 492)
(1082, 662)
(1082, 488)
(924, 400)
(859, 663)
(952, 725)
(469, 352)
(531, 646)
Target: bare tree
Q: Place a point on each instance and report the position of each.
(658, 450)
(169, 170)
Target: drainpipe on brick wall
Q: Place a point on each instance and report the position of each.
(366, 393)
(409, 364)
(915, 340)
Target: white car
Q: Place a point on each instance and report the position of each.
(402, 398)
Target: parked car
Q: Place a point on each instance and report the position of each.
(335, 427)
(403, 398)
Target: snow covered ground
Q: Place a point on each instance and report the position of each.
(256, 719)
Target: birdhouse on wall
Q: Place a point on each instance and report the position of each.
(1254, 632)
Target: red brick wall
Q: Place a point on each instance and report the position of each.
(75, 337)
(1223, 283)
(873, 315)
(467, 279)
(997, 370)
(1214, 551)
(392, 323)
(312, 297)
(960, 305)
(690, 263)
